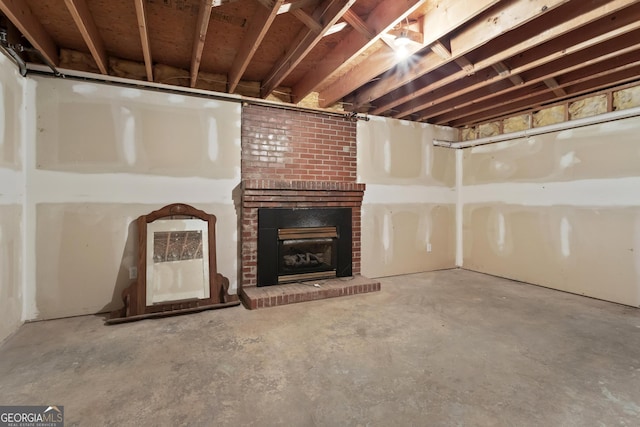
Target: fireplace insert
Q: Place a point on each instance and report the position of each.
(306, 253)
(303, 244)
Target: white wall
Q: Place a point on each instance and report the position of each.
(98, 157)
(560, 210)
(11, 197)
(408, 212)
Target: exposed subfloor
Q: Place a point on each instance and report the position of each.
(440, 349)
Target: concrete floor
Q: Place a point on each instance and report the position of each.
(448, 348)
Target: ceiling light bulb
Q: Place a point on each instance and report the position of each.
(402, 40)
(402, 53)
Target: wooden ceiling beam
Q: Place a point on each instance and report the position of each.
(501, 69)
(204, 15)
(258, 27)
(554, 86)
(490, 95)
(359, 25)
(141, 15)
(536, 99)
(22, 17)
(442, 49)
(290, 6)
(616, 52)
(327, 14)
(87, 27)
(509, 16)
(307, 20)
(411, 102)
(383, 18)
(465, 64)
(438, 22)
(504, 71)
(592, 50)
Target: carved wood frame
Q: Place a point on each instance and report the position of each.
(134, 296)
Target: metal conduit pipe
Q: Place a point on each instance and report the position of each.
(161, 87)
(571, 124)
(10, 51)
(43, 58)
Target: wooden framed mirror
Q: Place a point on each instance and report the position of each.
(177, 270)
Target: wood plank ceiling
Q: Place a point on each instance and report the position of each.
(464, 62)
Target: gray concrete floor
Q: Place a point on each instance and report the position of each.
(448, 348)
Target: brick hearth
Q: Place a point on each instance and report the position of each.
(271, 296)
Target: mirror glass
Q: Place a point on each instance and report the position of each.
(177, 270)
(177, 260)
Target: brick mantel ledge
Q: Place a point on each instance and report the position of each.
(270, 184)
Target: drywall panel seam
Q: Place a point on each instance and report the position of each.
(459, 206)
(65, 187)
(408, 194)
(29, 308)
(615, 192)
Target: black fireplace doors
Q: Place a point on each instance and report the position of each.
(303, 244)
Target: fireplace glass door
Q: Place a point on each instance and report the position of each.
(306, 253)
(296, 245)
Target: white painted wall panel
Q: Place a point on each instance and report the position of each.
(560, 210)
(11, 197)
(102, 156)
(408, 211)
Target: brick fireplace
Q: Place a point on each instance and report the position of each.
(297, 160)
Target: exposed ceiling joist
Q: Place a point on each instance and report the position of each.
(87, 27)
(587, 81)
(216, 3)
(617, 51)
(307, 20)
(383, 18)
(473, 36)
(204, 15)
(554, 86)
(290, 6)
(441, 49)
(328, 14)
(609, 45)
(439, 21)
(504, 71)
(359, 25)
(419, 99)
(465, 64)
(258, 27)
(20, 14)
(471, 59)
(141, 16)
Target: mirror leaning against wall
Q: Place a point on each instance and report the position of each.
(177, 270)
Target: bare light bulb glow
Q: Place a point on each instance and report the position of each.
(402, 40)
